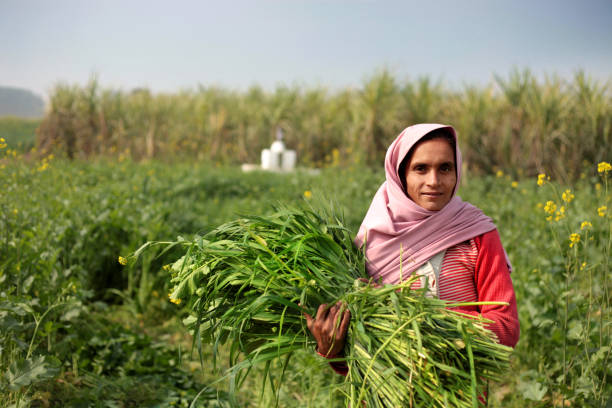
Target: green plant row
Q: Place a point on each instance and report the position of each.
(19, 133)
(518, 122)
(63, 225)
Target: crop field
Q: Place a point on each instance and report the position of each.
(79, 329)
(19, 133)
(105, 171)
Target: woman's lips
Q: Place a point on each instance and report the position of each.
(432, 195)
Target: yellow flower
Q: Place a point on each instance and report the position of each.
(574, 239)
(584, 264)
(15, 211)
(173, 300)
(499, 173)
(559, 215)
(549, 218)
(307, 194)
(585, 224)
(514, 184)
(2, 143)
(166, 267)
(542, 179)
(550, 207)
(540, 205)
(336, 156)
(604, 167)
(601, 211)
(597, 186)
(567, 196)
(122, 260)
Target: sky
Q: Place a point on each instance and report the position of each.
(168, 46)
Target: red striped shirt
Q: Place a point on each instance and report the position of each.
(456, 280)
(476, 270)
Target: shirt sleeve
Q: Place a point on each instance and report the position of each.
(339, 367)
(493, 283)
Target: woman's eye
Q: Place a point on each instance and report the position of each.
(446, 168)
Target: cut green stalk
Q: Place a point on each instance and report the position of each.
(244, 281)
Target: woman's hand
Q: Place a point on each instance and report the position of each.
(367, 282)
(330, 339)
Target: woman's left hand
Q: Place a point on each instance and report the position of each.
(368, 282)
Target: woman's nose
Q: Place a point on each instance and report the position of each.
(433, 178)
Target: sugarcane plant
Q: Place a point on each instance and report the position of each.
(248, 283)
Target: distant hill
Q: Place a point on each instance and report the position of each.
(21, 103)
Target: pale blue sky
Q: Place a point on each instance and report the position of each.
(168, 45)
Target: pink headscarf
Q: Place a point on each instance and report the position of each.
(394, 223)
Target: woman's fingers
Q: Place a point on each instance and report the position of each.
(322, 311)
(346, 319)
(330, 322)
(309, 320)
(375, 284)
(329, 327)
(331, 319)
(333, 311)
(308, 317)
(335, 321)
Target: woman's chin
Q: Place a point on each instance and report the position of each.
(433, 204)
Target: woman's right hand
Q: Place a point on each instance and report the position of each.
(330, 339)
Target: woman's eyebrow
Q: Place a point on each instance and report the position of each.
(452, 163)
(414, 164)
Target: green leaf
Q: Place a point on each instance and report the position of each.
(533, 390)
(23, 373)
(575, 331)
(600, 354)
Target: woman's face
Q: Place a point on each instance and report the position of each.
(430, 174)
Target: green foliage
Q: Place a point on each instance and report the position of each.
(515, 123)
(244, 283)
(19, 133)
(63, 225)
(23, 373)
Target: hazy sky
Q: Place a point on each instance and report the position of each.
(169, 45)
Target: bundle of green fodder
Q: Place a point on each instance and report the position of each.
(244, 281)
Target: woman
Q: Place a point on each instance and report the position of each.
(451, 244)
